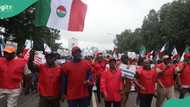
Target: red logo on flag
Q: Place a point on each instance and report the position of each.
(61, 11)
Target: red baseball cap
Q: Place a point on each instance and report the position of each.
(75, 50)
(99, 53)
(187, 56)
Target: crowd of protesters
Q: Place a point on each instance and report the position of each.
(75, 79)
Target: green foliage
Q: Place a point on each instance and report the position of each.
(170, 24)
(128, 39)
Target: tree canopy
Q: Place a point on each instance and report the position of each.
(171, 23)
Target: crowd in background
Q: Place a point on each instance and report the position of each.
(76, 78)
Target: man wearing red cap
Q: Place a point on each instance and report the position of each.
(76, 80)
(49, 80)
(12, 71)
(184, 75)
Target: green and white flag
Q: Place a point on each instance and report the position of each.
(185, 51)
(142, 51)
(61, 14)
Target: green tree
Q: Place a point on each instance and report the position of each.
(128, 40)
(175, 23)
(151, 34)
(170, 25)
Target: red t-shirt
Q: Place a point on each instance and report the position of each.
(76, 74)
(97, 70)
(111, 85)
(11, 73)
(49, 80)
(167, 76)
(185, 75)
(147, 78)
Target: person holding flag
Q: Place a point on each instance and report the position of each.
(49, 80)
(126, 80)
(12, 71)
(76, 79)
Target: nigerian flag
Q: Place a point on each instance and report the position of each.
(61, 14)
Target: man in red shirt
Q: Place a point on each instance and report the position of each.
(146, 81)
(184, 75)
(112, 85)
(165, 88)
(98, 68)
(49, 80)
(76, 80)
(12, 71)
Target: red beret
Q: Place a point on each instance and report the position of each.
(187, 56)
(98, 53)
(75, 50)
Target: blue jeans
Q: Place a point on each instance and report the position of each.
(82, 102)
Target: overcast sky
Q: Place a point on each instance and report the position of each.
(106, 18)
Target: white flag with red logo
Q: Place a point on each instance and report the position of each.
(61, 14)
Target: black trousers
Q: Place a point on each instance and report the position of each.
(49, 102)
(98, 90)
(115, 104)
(183, 91)
(145, 100)
(83, 102)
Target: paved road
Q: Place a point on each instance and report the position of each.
(32, 101)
